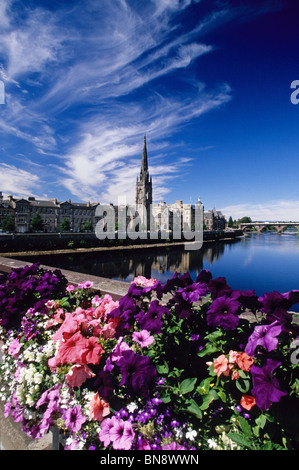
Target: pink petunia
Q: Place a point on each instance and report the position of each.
(78, 374)
(93, 351)
(14, 347)
(143, 338)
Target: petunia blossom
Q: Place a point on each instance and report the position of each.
(143, 338)
(99, 408)
(265, 336)
(74, 418)
(137, 372)
(118, 432)
(266, 388)
(78, 374)
(223, 312)
(14, 347)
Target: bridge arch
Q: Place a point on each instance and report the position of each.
(261, 226)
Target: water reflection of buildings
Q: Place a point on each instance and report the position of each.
(160, 263)
(165, 262)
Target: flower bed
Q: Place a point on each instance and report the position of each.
(169, 366)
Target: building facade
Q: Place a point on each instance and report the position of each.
(79, 216)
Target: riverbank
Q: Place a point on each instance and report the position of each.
(120, 245)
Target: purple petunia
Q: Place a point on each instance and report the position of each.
(265, 336)
(104, 384)
(275, 305)
(266, 388)
(218, 287)
(137, 372)
(193, 292)
(223, 312)
(152, 319)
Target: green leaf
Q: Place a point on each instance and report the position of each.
(240, 439)
(222, 396)
(209, 348)
(204, 386)
(187, 385)
(245, 426)
(206, 400)
(261, 421)
(213, 336)
(243, 385)
(162, 369)
(194, 409)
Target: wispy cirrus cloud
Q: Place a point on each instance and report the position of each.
(83, 86)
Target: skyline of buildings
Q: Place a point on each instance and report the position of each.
(54, 212)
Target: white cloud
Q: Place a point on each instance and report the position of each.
(17, 182)
(281, 210)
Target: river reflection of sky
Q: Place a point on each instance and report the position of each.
(265, 262)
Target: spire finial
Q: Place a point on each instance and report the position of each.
(144, 165)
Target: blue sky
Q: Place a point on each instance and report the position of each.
(208, 82)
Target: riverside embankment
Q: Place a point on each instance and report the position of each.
(20, 244)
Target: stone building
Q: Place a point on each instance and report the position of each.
(214, 220)
(145, 216)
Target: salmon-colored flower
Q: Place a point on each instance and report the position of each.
(244, 361)
(78, 374)
(99, 408)
(221, 365)
(235, 375)
(247, 402)
(232, 357)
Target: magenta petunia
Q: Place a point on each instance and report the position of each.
(143, 338)
(74, 418)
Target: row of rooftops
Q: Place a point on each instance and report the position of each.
(32, 201)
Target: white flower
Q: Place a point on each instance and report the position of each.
(30, 401)
(212, 443)
(191, 434)
(38, 377)
(131, 407)
(178, 433)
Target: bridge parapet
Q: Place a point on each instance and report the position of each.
(260, 226)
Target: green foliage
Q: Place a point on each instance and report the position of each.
(8, 223)
(37, 223)
(65, 224)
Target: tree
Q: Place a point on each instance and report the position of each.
(65, 224)
(230, 222)
(8, 223)
(245, 220)
(87, 226)
(37, 223)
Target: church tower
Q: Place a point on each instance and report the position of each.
(144, 192)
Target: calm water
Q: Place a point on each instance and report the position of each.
(263, 262)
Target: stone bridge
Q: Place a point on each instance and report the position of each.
(260, 226)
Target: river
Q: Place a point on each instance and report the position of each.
(263, 262)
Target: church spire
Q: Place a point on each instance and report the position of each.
(144, 164)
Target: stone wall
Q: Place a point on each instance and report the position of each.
(56, 241)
